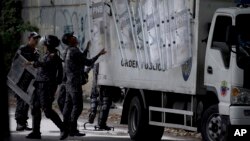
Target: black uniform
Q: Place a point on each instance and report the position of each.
(74, 62)
(49, 76)
(94, 95)
(22, 107)
(104, 101)
(61, 96)
(62, 89)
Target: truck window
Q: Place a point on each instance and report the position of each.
(219, 38)
(243, 47)
(242, 25)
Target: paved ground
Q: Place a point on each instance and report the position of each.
(51, 133)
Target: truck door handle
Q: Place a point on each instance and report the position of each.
(209, 70)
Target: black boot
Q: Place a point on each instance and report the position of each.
(74, 131)
(34, 135)
(22, 127)
(36, 121)
(92, 117)
(104, 113)
(104, 127)
(64, 135)
(77, 134)
(64, 131)
(58, 122)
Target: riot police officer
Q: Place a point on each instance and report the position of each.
(62, 89)
(102, 96)
(74, 62)
(49, 75)
(30, 53)
(104, 101)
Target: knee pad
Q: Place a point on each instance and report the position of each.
(94, 103)
(107, 101)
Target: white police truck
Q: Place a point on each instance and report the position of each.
(177, 61)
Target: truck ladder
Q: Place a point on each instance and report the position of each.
(117, 23)
(157, 32)
(145, 45)
(119, 36)
(134, 28)
(91, 22)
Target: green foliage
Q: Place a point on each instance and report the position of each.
(11, 27)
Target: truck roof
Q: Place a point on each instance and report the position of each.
(234, 10)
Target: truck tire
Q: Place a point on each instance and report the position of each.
(213, 125)
(138, 126)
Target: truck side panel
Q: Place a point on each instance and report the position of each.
(128, 72)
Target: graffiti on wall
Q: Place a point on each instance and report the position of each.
(58, 20)
(76, 23)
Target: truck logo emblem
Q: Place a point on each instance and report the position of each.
(186, 69)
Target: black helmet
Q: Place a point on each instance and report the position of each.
(66, 36)
(51, 41)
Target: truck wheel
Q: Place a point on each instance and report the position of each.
(213, 125)
(138, 126)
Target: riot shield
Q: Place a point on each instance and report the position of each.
(21, 78)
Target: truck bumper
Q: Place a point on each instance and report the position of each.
(240, 115)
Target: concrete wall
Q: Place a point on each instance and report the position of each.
(57, 16)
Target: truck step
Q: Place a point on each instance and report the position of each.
(163, 122)
(167, 110)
